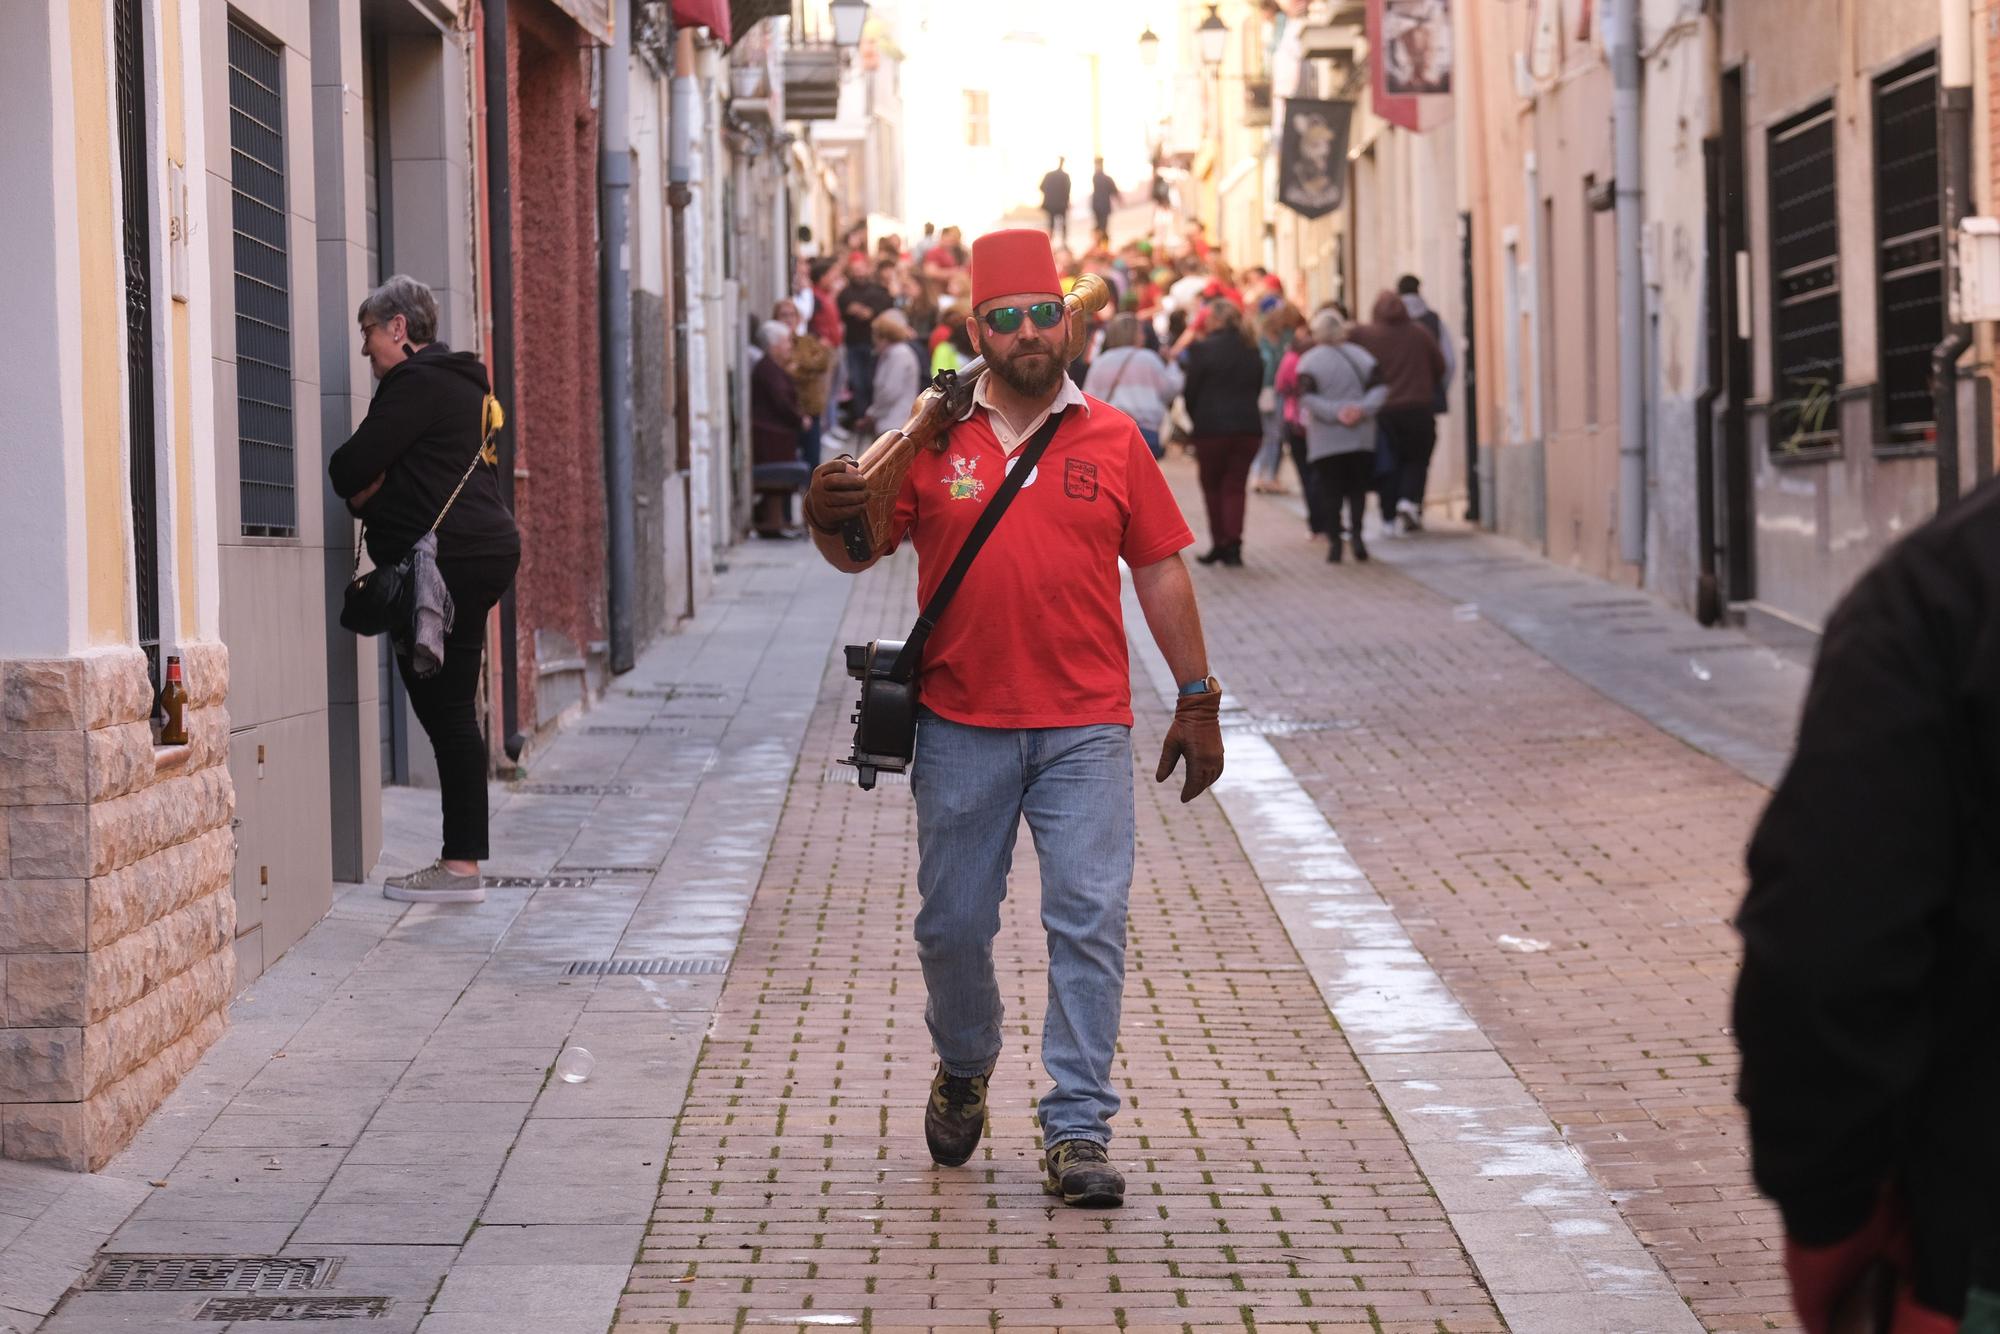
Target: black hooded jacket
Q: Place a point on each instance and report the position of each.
(1868, 1009)
(423, 427)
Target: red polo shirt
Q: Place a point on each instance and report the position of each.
(1036, 634)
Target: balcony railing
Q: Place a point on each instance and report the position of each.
(812, 64)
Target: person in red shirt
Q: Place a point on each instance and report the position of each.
(1027, 710)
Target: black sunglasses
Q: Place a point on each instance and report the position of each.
(1007, 319)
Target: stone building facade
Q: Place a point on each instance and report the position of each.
(116, 853)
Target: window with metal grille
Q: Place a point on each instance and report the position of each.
(264, 440)
(1805, 268)
(128, 38)
(1909, 240)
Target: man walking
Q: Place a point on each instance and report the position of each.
(1411, 290)
(1103, 194)
(1055, 200)
(863, 298)
(1027, 707)
(1412, 366)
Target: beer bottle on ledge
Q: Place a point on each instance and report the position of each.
(173, 703)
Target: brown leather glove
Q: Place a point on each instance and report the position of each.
(837, 493)
(1197, 734)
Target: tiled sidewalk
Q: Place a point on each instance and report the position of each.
(1269, 1189)
(383, 1098)
(1568, 868)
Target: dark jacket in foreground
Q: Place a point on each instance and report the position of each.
(1225, 375)
(1868, 1009)
(422, 429)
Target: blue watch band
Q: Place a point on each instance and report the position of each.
(1199, 686)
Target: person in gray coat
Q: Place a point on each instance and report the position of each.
(1341, 397)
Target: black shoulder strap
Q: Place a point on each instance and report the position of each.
(905, 665)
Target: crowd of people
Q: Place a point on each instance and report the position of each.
(1222, 362)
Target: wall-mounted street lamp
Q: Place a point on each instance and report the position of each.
(848, 18)
(1213, 36)
(1149, 47)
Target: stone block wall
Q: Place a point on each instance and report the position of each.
(117, 912)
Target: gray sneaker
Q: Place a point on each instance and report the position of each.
(434, 884)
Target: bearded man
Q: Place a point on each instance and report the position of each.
(1027, 710)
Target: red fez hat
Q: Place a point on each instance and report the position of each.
(1016, 260)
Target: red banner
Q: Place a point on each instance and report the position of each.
(710, 14)
(1411, 57)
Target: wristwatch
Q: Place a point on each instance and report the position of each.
(1201, 686)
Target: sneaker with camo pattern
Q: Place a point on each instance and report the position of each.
(1081, 1172)
(955, 1117)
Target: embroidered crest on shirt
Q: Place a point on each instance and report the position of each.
(1080, 479)
(963, 485)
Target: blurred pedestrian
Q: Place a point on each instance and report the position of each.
(1339, 399)
(898, 374)
(419, 462)
(1866, 1008)
(1103, 194)
(812, 374)
(1134, 379)
(864, 297)
(1410, 288)
(776, 421)
(1412, 366)
(1275, 329)
(1294, 432)
(1224, 378)
(1055, 201)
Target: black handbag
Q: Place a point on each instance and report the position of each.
(885, 717)
(383, 601)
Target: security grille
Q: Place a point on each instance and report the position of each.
(293, 1308)
(1805, 264)
(129, 41)
(645, 967)
(209, 1273)
(264, 439)
(1909, 239)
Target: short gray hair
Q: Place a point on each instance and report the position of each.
(771, 331)
(1329, 328)
(405, 296)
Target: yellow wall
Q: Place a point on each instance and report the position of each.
(178, 332)
(103, 331)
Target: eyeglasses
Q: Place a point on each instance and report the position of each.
(1007, 319)
(368, 328)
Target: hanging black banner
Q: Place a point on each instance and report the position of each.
(1312, 159)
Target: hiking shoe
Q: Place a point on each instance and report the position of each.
(955, 1117)
(434, 884)
(1081, 1172)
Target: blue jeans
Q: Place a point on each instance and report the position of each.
(972, 785)
(1265, 468)
(1152, 439)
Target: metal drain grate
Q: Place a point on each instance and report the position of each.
(574, 789)
(646, 967)
(1290, 726)
(293, 1308)
(608, 870)
(642, 729)
(577, 881)
(209, 1273)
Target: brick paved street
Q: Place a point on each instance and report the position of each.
(1488, 794)
(1456, 1061)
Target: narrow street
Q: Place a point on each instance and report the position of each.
(1425, 1023)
